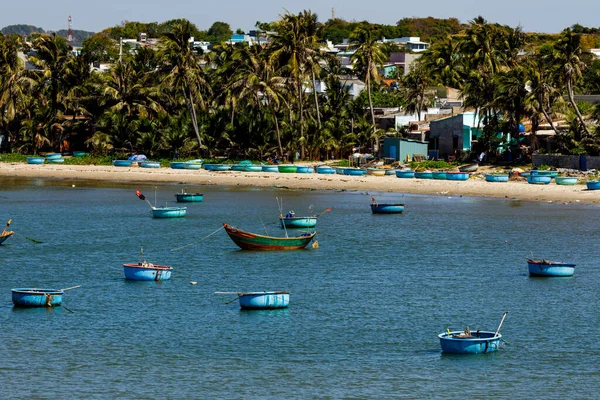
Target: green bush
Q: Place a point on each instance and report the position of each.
(429, 165)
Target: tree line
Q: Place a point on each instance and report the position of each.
(253, 101)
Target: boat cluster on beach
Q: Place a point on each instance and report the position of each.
(462, 342)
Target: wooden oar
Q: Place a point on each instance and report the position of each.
(500, 326)
(7, 225)
(69, 288)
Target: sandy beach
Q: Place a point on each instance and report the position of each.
(476, 186)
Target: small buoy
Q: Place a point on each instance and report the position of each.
(193, 283)
(72, 185)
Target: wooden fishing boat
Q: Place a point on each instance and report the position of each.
(168, 212)
(438, 175)
(144, 271)
(457, 176)
(469, 167)
(252, 241)
(496, 177)
(376, 171)
(549, 268)
(122, 163)
(539, 179)
(185, 197)
(5, 235)
(270, 168)
(424, 175)
(565, 180)
(253, 168)
(287, 168)
(462, 342)
(35, 160)
(263, 300)
(150, 164)
(177, 164)
(304, 169)
(325, 170)
(32, 297)
(298, 222)
(405, 173)
(593, 185)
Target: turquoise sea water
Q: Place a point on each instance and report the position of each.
(365, 307)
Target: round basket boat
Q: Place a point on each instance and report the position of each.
(325, 170)
(287, 169)
(263, 300)
(303, 169)
(457, 176)
(438, 175)
(253, 168)
(52, 156)
(478, 342)
(593, 185)
(424, 175)
(35, 160)
(565, 180)
(270, 168)
(79, 154)
(56, 160)
(25, 297)
(147, 272)
(237, 167)
(150, 164)
(405, 173)
(496, 177)
(122, 163)
(376, 171)
(539, 179)
(191, 165)
(177, 164)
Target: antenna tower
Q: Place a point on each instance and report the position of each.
(70, 32)
(332, 13)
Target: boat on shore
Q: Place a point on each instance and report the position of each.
(535, 179)
(566, 180)
(405, 173)
(252, 241)
(35, 160)
(457, 176)
(550, 268)
(376, 171)
(496, 177)
(326, 170)
(593, 185)
(150, 164)
(122, 163)
(469, 167)
(287, 169)
(270, 168)
(441, 175)
(423, 174)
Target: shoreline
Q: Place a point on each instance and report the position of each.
(475, 186)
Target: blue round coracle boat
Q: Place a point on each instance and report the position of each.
(537, 179)
(457, 176)
(208, 167)
(270, 168)
(340, 170)
(565, 180)
(253, 168)
(221, 167)
(387, 208)
(56, 160)
(177, 164)
(438, 175)
(424, 175)
(150, 164)
(237, 167)
(35, 160)
(79, 154)
(23, 297)
(593, 185)
(147, 272)
(550, 268)
(326, 170)
(192, 165)
(168, 212)
(355, 171)
(52, 156)
(263, 300)
(303, 169)
(479, 342)
(405, 173)
(496, 177)
(122, 163)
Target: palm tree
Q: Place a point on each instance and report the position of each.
(414, 86)
(566, 57)
(444, 62)
(184, 73)
(367, 58)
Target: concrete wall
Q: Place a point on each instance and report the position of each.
(560, 161)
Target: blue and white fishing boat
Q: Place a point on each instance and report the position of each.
(496, 177)
(550, 268)
(33, 297)
(35, 160)
(122, 163)
(325, 170)
(469, 342)
(261, 300)
(144, 271)
(593, 185)
(405, 173)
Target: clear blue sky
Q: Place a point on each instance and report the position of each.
(548, 16)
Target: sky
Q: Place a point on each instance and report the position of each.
(543, 16)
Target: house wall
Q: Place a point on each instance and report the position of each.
(445, 130)
(399, 148)
(560, 161)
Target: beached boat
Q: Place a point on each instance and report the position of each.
(340, 170)
(326, 170)
(55, 160)
(424, 175)
(355, 171)
(457, 176)
(192, 165)
(221, 167)
(53, 156)
(539, 179)
(270, 168)
(150, 164)
(552, 174)
(287, 168)
(79, 154)
(565, 180)
(252, 241)
(593, 185)
(237, 167)
(462, 342)
(122, 163)
(304, 169)
(496, 177)
(390, 171)
(208, 167)
(438, 175)
(469, 167)
(405, 173)
(35, 160)
(168, 212)
(144, 271)
(185, 197)
(549, 268)
(253, 168)
(376, 171)
(177, 164)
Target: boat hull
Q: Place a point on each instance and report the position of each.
(325, 170)
(354, 171)
(287, 168)
(548, 268)
(424, 175)
(539, 179)
(481, 342)
(192, 165)
(438, 175)
(457, 176)
(468, 168)
(23, 297)
(405, 174)
(304, 170)
(147, 272)
(35, 160)
(253, 168)
(270, 168)
(122, 163)
(263, 300)
(593, 185)
(221, 167)
(150, 164)
(168, 212)
(496, 177)
(5, 236)
(565, 180)
(376, 171)
(298, 222)
(387, 208)
(189, 197)
(251, 241)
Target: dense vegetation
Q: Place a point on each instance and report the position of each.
(253, 101)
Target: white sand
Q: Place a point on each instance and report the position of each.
(476, 186)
